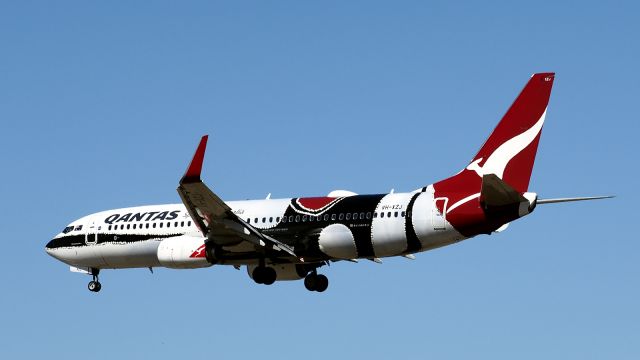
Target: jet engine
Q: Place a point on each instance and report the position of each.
(182, 252)
(283, 271)
(336, 240)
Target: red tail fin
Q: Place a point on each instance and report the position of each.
(509, 152)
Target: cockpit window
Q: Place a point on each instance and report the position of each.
(79, 227)
(67, 229)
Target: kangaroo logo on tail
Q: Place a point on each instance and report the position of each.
(498, 160)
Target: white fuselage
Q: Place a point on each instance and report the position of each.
(130, 237)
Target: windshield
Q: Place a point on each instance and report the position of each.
(67, 229)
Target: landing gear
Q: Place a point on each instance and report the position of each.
(316, 282)
(264, 275)
(94, 285)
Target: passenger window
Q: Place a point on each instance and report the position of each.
(333, 217)
(154, 225)
(395, 214)
(147, 225)
(326, 217)
(341, 216)
(389, 214)
(264, 220)
(168, 224)
(161, 224)
(134, 226)
(109, 227)
(278, 219)
(189, 223)
(270, 219)
(255, 220)
(402, 214)
(304, 218)
(182, 223)
(297, 218)
(368, 215)
(128, 226)
(361, 216)
(381, 214)
(375, 215)
(248, 220)
(348, 216)
(284, 219)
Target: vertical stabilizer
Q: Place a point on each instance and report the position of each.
(508, 153)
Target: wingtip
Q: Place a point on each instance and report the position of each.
(195, 167)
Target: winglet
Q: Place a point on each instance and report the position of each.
(195, 167)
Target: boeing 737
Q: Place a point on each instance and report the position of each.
(290, 239)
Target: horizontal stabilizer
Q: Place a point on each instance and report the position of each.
(496, 193)
(561, 200)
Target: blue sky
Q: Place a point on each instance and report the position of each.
(102, 105)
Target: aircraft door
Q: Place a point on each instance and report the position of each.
(439, 219)
(91, 234)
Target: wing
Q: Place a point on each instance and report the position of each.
(214, 217)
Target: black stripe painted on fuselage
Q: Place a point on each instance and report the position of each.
(413, 243)
(360, 228)
(79, 240)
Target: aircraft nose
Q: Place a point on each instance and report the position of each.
(51, 246)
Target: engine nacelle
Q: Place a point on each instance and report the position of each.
(337, 240)
(182, 252)
(283, 271)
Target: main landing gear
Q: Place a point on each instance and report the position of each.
(264, 275)
(94, 285)
(316, 282)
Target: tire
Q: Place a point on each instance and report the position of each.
(92, 286)
(98, 287)
(258, 275)
(269, 275)
(322, 283)
(310, 282)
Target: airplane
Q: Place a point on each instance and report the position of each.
(290, 239)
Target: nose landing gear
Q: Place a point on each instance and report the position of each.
(94, 285)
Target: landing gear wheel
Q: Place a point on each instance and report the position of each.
(94, 286)
(315, 282)
(310, 282)
(264, 275)
(322, 283)
(258, 275)
(269, 276)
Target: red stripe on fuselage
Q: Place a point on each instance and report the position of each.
(315, 203)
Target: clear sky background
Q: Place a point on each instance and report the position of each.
(103, 103)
